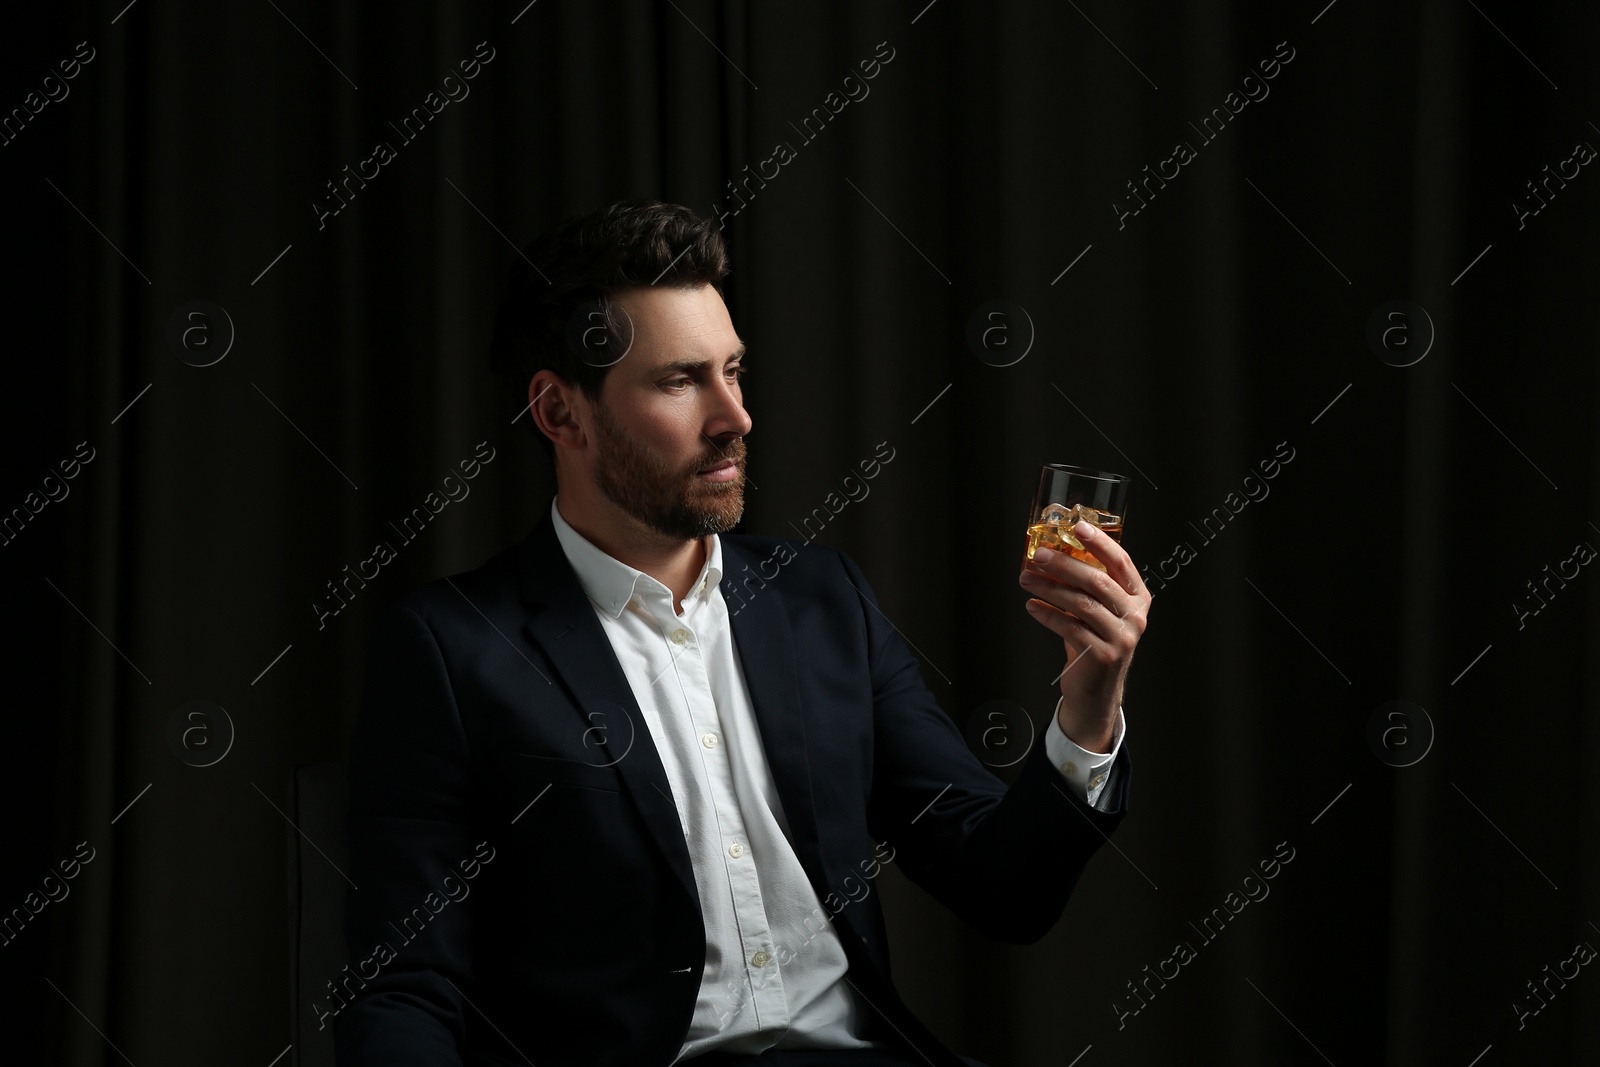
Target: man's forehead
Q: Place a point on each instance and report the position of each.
(677, 324)
(682, 318)
(671, 304)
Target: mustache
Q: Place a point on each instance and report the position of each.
(735, 452)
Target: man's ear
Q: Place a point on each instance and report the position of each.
(558, 408)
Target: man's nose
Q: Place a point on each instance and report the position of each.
(729, 416)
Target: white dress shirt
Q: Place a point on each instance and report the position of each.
(771, 979)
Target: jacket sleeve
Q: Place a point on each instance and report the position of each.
(401, 999)
(1004, 860)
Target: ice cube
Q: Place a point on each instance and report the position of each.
(1056, 514)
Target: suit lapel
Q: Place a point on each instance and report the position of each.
(765, 646)
(564, 626)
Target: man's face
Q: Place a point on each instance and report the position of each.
(672, 409)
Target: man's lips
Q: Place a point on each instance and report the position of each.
(722, 471)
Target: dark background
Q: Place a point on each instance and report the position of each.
(1229, 315)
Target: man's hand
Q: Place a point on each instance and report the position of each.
(1099, 616)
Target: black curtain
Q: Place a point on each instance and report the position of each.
(1352, 245)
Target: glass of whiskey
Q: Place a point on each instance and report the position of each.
(1068, 495)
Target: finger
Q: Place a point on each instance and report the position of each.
(1055, 569)
(1068, 569)
(1104, 548)
(1075, 626)
(1073, 635)
(1061, 624)
(1090, 594)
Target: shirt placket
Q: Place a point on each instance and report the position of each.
(761, 970)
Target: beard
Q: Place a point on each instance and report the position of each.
(671, 500)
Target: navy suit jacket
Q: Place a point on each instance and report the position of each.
(524, 889)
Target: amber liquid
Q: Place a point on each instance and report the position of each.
(1058, 538)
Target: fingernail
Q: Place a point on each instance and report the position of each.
(1042, 554)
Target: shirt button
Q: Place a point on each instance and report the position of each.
(709, 740)
(1069, 767)
(736, 850)
(1097, 779)
(761, 959)
(679, 636)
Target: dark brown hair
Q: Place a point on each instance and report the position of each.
(557, 313)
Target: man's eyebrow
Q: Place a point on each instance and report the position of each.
(686, 365)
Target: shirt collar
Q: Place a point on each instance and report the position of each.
(611, 583)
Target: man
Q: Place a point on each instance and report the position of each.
(618, 795)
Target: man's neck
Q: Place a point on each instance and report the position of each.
(675, 564)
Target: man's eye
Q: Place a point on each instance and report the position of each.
(737, 370)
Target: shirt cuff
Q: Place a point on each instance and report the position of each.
(1086, 772)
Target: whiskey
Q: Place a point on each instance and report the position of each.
(1054, 531)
